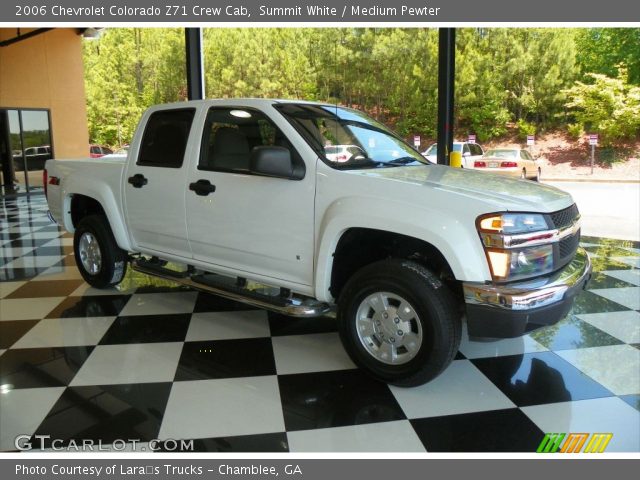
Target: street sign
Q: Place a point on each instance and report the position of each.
(472, 138)
(416, 141)
(531, 139)
(593, 141)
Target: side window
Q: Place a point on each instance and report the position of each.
(231, 133)
(165, 138)
(465, 148)
(525, 155)
(475, 149)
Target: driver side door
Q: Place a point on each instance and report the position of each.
(245, 223)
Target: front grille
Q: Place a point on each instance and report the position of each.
(569, 245)
(564, 218)
(565, 249)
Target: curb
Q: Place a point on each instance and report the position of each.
(588, 180)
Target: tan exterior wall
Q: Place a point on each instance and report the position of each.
(46, 71)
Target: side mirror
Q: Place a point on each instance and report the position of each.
(271, 161)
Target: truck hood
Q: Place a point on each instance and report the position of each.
(501, 192)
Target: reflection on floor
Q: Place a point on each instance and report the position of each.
(150, 360)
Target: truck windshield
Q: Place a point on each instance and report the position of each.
(348, 139)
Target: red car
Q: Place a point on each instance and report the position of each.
(97, 151)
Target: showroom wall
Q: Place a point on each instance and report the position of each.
(46, 71)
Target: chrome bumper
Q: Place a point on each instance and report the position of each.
(512, 309)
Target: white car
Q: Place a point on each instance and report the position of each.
(238, 195)
(515, 162)
(341, 153)
(470, 153)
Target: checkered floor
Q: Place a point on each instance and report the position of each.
(151, 360)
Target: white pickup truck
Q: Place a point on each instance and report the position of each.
(239, 198)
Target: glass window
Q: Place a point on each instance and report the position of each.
(360, 141)
(30, 138)
(466, 149)
(165, 138)
(231, 133)
(525, 155)
(506, 154)
(475, 149)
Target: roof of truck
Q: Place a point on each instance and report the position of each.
(255, 102)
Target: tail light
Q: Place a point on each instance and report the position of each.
(45, 180)
(478, 164)
(508, 164)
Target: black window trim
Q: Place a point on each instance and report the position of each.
(204, 147)
(164, 165)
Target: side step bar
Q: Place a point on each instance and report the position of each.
(292, 306)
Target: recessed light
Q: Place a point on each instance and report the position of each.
(240, 113)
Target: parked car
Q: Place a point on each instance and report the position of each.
(515, 162)
(470, 153)
(97, 151)
(120, 152)
(341, 153)
(238, 195)
(35, 158)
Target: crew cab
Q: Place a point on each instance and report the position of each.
(239, 198)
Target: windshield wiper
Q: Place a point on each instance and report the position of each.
(404, 161)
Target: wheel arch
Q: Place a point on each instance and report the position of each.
(357, 247)
(79, 205)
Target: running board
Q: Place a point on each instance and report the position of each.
(229, 288)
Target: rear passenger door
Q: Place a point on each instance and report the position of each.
(154, 182)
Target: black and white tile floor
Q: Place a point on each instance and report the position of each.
(151, 360)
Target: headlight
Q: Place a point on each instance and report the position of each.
(513, 223)
(515, 245)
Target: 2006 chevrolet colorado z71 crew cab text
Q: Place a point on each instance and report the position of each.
(239, 198)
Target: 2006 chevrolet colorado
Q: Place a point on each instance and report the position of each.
(241, 198)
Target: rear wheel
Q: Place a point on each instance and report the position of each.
(398, 322)
(523, 174)
(100, 261)
(538, 174)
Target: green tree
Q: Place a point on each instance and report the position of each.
(600, 50)
(609, 106)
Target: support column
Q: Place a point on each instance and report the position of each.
(195, 72)
(446, 85)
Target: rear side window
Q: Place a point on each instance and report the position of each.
(525, 155)
(475, 149)
(165, 138)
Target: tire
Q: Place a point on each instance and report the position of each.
(538, 175)
(104, 264)
(433, 318)
(523, 174)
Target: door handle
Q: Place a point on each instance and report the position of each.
(138, 180)
(202, 187)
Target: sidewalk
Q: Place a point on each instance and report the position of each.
(627, 172)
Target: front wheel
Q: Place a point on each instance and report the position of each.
(100, 261)
(398, 322)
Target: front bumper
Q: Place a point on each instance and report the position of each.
(511, 310)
